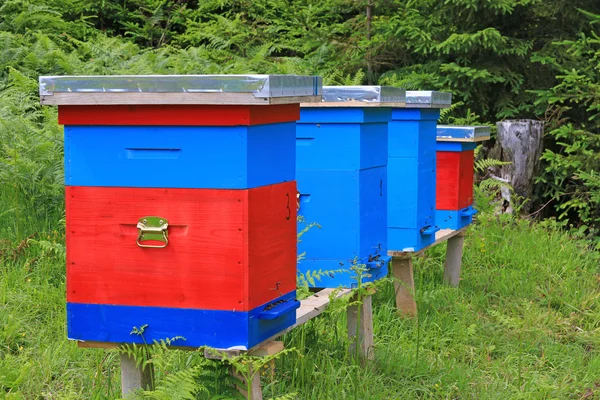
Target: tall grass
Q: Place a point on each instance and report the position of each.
(524, 324)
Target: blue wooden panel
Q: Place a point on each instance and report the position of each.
(341, 146)
(372, 188)
(346, 278)
(350, 207)
(373, 145)
(410, 239)
(411, 139)
(336, 146)
(455, 146)
(415, 114)
(455, 219)
(411, 193)
(237, 157)
(218, 329)
(330, 199)
(344, 114)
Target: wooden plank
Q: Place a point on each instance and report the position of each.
(266, 349)
(360, 329)
(404, 286)
(352, 104)
(169, 98)
(88, 344)
(463, 140)
(295, 99)
(316, 304)
(452, 265)
(440, 236)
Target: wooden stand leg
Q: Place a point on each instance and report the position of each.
(134, 377)
(361, 323)
(404, 286)
(256, 392)
(454, 254)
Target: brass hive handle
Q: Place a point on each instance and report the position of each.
(152, 228)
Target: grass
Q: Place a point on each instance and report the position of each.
(524, 324)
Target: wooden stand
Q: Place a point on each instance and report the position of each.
(402, 269)
(404, 286)
(360, 332)
(134, 377)
(360, 329)
(453, 262)
(360, 316)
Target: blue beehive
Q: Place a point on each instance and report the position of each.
(411, 170)
(341, 158)
(455, 168)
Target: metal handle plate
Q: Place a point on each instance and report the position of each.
(155, 229)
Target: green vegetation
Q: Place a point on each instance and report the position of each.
(525, 322)
(499, 58)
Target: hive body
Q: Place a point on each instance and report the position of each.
(341, 172)
(455, 169)
(226, 186)
(411, 178)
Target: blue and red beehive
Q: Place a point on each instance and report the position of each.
(181, 205)
(455, 169)
(411, 170)
(341, 150)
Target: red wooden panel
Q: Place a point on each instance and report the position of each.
(454, 179)
(205, 265)
(447, 178)
(272, 242)
(465, 197)
(177, 115)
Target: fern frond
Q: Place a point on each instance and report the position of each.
(446, 111)
(484, 164)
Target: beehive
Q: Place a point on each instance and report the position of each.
(455, 170)
(181, 205)
(411, 170)
(341, 149)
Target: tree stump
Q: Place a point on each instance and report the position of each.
(520, 143)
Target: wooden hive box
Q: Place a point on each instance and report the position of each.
(411, 171)
(341, 168)
(181, 206)
(455, 170)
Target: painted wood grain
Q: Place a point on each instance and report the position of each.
(192, 328)
(454, 180)
(207, 263)
(272, 241)
(310, 308)
(177, 115)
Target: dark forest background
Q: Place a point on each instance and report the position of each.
(500, 59)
